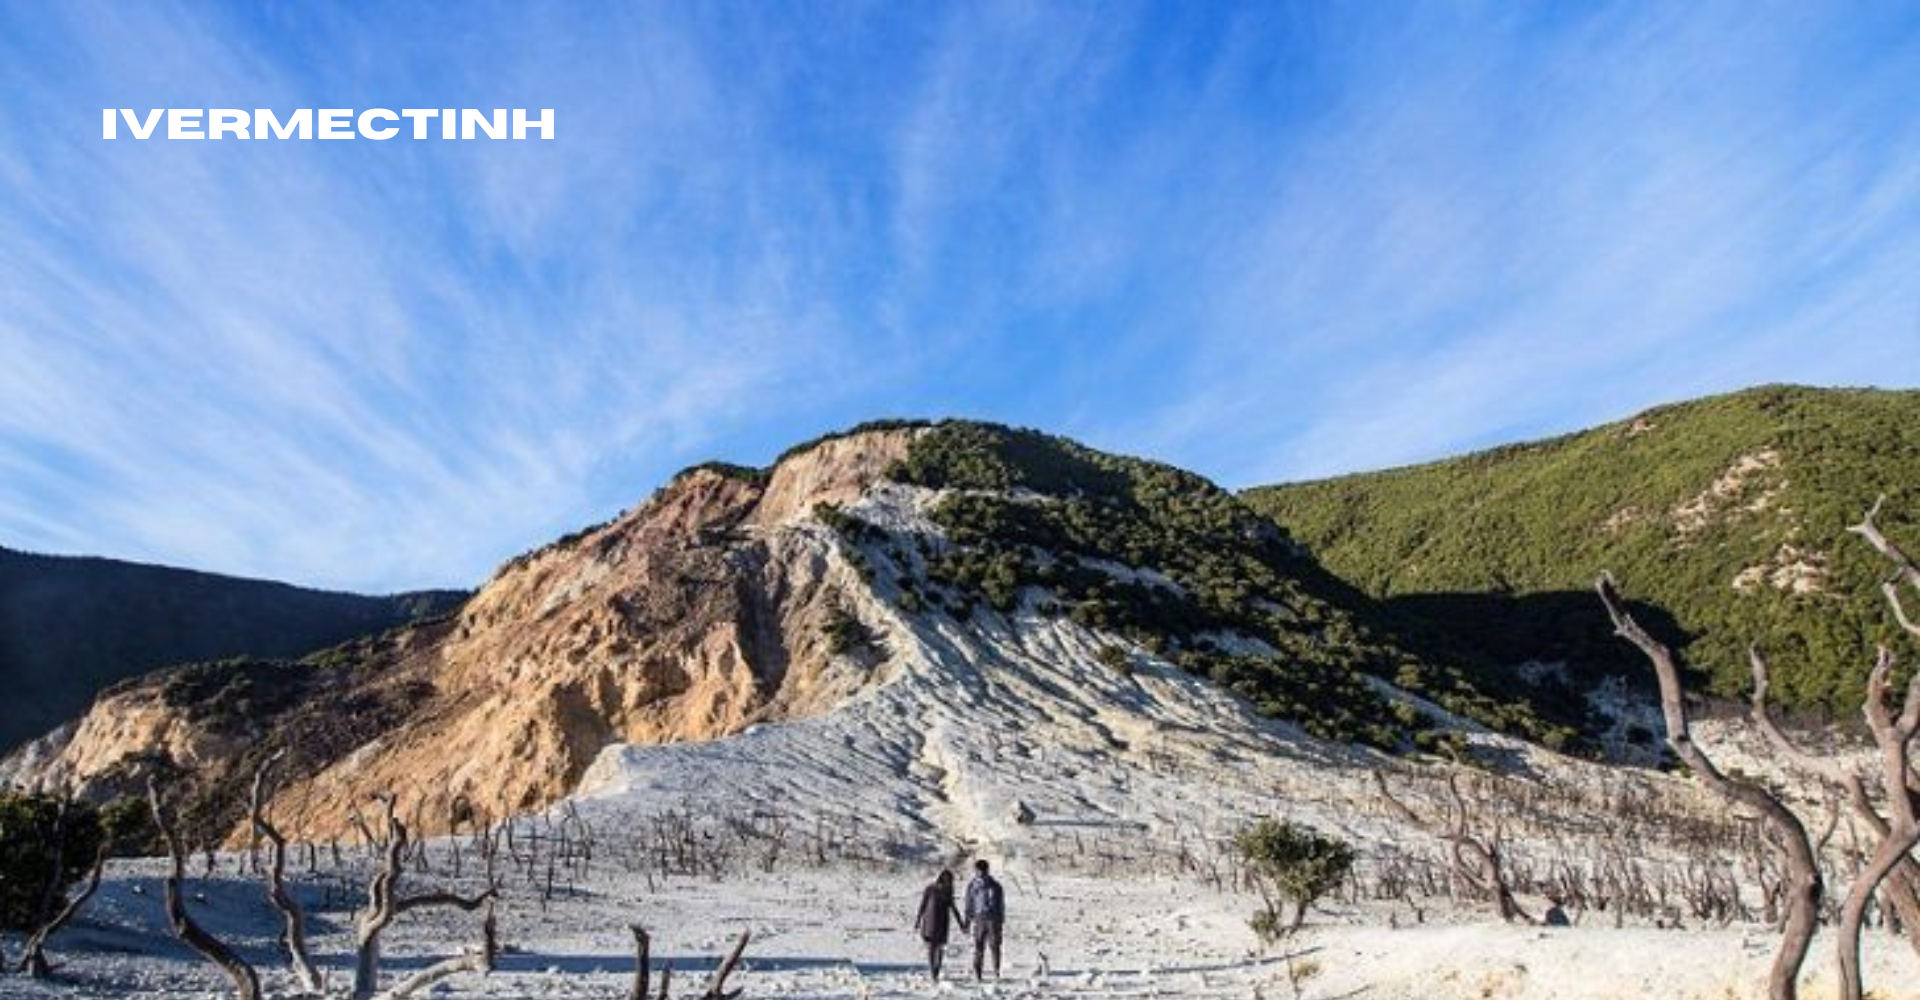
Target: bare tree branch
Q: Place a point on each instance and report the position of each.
(641, 962)
(481, 962)
(294, 919)
(246, 983)
(34, 961)
(383, 904)
(1894, 738)
(442, 898)
(1474, 859)
(1903, 565)
(1903, 882)
(1805, 887)
(717, 989)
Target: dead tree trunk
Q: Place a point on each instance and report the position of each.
(294, 932)
(1475, 861)
(1905, 571)
(717, 989)
(642, 966)
(1901, 887)
(384, 904)
(1804, 886)
(481, 962)
(1894, 737)
(34, 960)
(246, 983)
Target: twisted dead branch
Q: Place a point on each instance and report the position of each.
(294, 920)
(1904, 569)
(1894, 737)
(384, 904)
(1804, 888)
(717, 989)
(246, 983)
(480, 962)
(1901, 886)
(33, 960)
(1476, 860)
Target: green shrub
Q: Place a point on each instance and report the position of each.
(847, 634)
(127, 823)
(1115, 659)
(28, 847)
(853, 528)
(1293, 866)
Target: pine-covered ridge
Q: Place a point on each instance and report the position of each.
(1727, 514)
(1187, 571)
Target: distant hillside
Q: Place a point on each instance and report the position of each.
(954, 571)
(72, 626)
(1728, 513)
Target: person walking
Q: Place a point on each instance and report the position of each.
(935, 922)
(987, 912)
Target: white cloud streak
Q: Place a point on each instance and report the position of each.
(1265, 243)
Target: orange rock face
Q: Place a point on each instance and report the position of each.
(690, 617)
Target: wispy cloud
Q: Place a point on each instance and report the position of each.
(1536, 230)
(1268, 243)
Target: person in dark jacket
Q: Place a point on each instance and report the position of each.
(935, 922)
(987, 911)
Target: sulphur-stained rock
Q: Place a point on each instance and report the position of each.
(692, 616)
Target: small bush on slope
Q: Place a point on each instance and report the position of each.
(1292, 866)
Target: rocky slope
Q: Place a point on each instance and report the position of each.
(1727, 514)
(734, 597)
(71, 626)
(693, 615)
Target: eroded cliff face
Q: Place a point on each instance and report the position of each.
(690, 617)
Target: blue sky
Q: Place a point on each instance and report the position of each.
(1266, 242)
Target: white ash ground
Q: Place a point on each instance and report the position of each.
(1122, 772)
(843, 933)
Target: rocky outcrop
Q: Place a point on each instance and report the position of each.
(692, 616)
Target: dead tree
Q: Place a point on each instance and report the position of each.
(1894, 738)
(481, 962)
(294, 931)
(643, 967)
(384, 903)
(717, 988)
(34, 960)
(642, 962)
(1476, 860)
(1905, 571)
(1804, 887)
(246, 983)
(1901, 887)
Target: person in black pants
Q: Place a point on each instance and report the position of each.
(987, 911)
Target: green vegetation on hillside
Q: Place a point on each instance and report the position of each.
(1728, 514)
(1031, 510)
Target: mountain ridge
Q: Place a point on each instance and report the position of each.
(72, 625)
(1728, 512)
(735, 597)
(732, 598)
